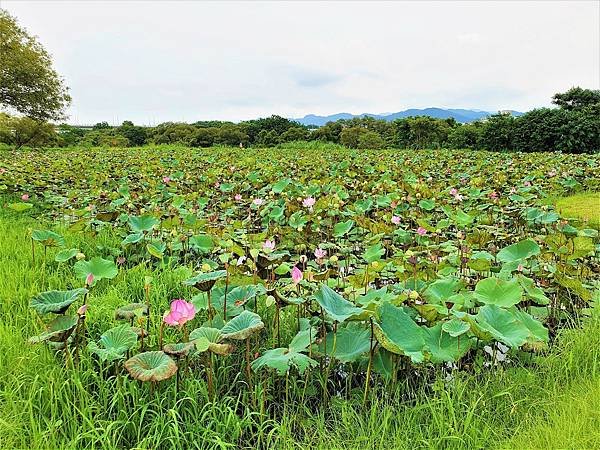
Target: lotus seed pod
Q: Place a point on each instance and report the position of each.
(79, 256)
(333, 259)
(205, 267)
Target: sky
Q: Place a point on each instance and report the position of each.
(156, 61)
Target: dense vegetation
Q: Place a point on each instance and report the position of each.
(572, 127)
(299, 300)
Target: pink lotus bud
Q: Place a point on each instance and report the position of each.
(89, 280)
(308, 202)
(269, 245)
(237, 197)
(421, 231)
(82, 310)
(257, 201)
(296, 275)
(25, 197)
(166, 180)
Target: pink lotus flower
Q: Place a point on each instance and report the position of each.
(396, 220)
(237, 197)
(257, 201)
(166, 180)
(89, 280)
(552, 173)
(269, 245)
(453, 191)
(25, 197)
(320, 253)
(180, 313)
(421, 231)
(2, 170)
(458, 197)
(308, 202)
(217, 184)
(527, 183)
(296, 275)
(493, 195)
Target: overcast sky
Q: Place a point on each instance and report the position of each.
(162, 60)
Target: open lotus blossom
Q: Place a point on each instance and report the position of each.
(453, 191)
(308, 202)
(396, 220)
(25, 197)
(320, 253)
(458, 197)
(493, 195)
(166, 180)
(89, 280)
(180, 312)
(552, 173)
(421, 231)
(527, 183)
(237, 197)
(2, 170)
(257, 201)
(296, 275)
(269, 245)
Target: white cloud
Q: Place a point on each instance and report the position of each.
(156, 61)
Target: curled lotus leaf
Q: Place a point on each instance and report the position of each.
(55, 302)
(455, 327)
(114, 343)
(48, 238)
(151, 366)
(58, 330)
(242, 326)
(397, 332)
(178, 350)
(100, 268)
(204, 281)
(131, 311)
(214, 338)
(336, 306)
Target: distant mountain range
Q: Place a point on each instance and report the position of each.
(460, 115)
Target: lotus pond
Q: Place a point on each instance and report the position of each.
(191, 289)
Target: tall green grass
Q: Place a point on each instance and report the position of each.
(552, 402)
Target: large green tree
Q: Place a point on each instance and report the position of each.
(28, 82)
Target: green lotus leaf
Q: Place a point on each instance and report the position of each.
(202, 344)
(57, 330)
(538, 334)
(455, 327)
(503, 325)
(441, 290)
(65, 255)
(182, 348)
(48, 238)
(374, 253)
(55, 302)
(151, 366)
(132, 238)
(142, 224)
(114, 343)
(342, 228)
(495, 291)
(279, 187)
(204, 281)
(242, 326)
(98, 267)
(397, 332)
(533, 292)
(519, 251)
(282, 360)
(202, 242)
(336, 306)
(442, 347)
(20, 207)
(350, 343)
(131, 311)
(383, 363)
(304, 338)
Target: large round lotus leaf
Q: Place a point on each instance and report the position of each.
(504, 325)
(519, 251)
(98, 267)
(442, 347)
(48, 238)
(455, 327)
(342, 228)
(538, 334)
(350, 343)
(205, 281)
(397, 332)
(441, 290)
(214, 337)
(178, 350)
(242, 326)
(336, 306)
(57, 330)
(533, 292)
(114, 343)
(65, 255)
(142, 223)
(282, 359)
(495, 291)
(151, 366)
(55, 302)
(131, 311)
(201, 242)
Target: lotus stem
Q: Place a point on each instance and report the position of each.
(248, 373)
(371, 349)
(226, 289)
(33, 251)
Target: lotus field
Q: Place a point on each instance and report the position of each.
(177, 278)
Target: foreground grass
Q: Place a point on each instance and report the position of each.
(553, 403)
